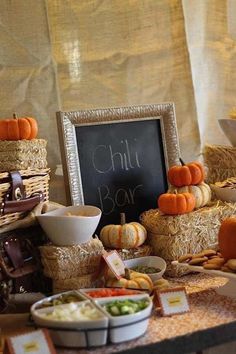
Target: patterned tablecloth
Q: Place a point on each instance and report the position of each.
(208, 311)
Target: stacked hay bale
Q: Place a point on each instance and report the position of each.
(174, 236)
(188, 221)
(220, 161)
(72, 267)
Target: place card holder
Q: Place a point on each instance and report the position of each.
(115, 263)
(172, 301)
(38, 341)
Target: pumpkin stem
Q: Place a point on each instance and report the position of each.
(181, 161)
(14, 115)
(122, 218)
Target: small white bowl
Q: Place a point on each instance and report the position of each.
(149, 261)
(128, 326)
(228, 126)
(224, 193)
(64, 230)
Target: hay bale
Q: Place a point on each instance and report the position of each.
(174, 236)
(23, 154)
(67, 261)
(220, 161)
(74, 283)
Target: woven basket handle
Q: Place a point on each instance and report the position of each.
(15, 200)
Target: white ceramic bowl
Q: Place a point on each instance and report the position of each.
(224, 193)
(46, 300)
(228, 126)
(65, 230)
(71, 333)
(149, 261)
(132, 326)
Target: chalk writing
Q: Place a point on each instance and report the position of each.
(115, 160)
(119, 198)
(122, 167)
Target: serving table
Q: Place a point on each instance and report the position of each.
(211, 321)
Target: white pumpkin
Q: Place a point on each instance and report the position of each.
(125, 235)
(201, 192)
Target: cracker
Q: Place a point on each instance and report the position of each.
(208, 253)
(219, 261)
(198, 261)
(211, 266)
(226, 269)
(198, 255)
(231, 263)
(185, 258)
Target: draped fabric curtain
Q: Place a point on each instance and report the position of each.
(70, 55)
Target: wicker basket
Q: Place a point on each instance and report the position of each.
(71, 261)
(23, 154)
(173, 236)
(33, 180)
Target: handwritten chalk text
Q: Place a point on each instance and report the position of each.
(119, 198)
(115, 160)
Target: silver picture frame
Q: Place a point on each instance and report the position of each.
(68, 121)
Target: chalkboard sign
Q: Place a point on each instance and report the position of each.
(118, 165)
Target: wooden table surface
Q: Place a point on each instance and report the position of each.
(211, 321)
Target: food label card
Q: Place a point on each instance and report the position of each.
(115, 263)
(36, 342)
(173, 301)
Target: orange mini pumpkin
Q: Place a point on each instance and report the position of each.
(186, 175)
(18, 128)
(174, 204)
(227, 238)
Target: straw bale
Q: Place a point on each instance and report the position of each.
(173, 236)
(67, 261)
(142, 251)
(220, 162)
(22, 145)
(23, 154)
(75, 283)
(220, 174)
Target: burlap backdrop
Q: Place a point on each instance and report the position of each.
(69, 55)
